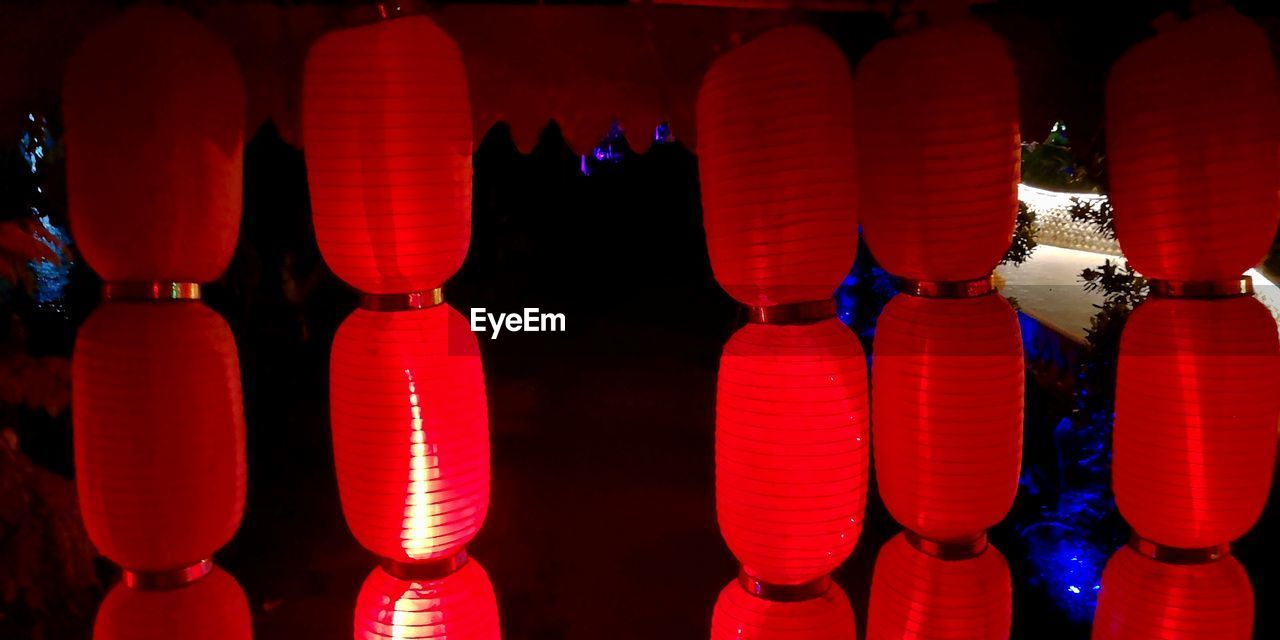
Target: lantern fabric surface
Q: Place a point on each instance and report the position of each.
(410, 431)
(916, 595)
(1193, 151)
(947, 394)
(154, 110)
(159, 433)
(1196, 416)
(791, 448)
(939, 152)
(460, 606)
(386, 123)
(776, 160)
(211, 608)
(1143, 599)
(739, 615)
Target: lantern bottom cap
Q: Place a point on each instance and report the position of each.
(806, 312)
(408, 301)
(168, 578)
(434, 569)
(150, 291)
(946, 288)
(953, 549)
(777, 592)
(1178, 555)
(1201, 289)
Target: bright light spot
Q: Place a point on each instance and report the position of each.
(421, 515)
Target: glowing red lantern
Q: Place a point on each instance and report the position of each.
(1144, 599)
(791, 448)
(154, 110)
(947, 385)
(410, 431)
(1193, 149)
(159, 433)
(460, 605)
(742, 616)
(386, 123)
(210, 608)
(938, 152)
(1196, 415)
(776, 158)
(915, 594)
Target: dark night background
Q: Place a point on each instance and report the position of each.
(602, 520)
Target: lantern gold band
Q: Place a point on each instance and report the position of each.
(156, 291)
(1176, 555)
(1202, 289)
(807, 312)
(946, 288)
(949, 550)
(402, 301)
(427, 569)
(783, 592)
(171, 579)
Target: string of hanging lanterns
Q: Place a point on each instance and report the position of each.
(776, 159)
(154, 109)
(387, 136)
(939, 152)
(1194, 181)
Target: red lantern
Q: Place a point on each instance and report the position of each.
(154, 111)
(918, 595)
(211, 608)
(1193, 150)
(776, 158)
(791, 448)
(386, 123)
(947, 385)
(1196, 415)
(1143, 599)
(938, 149)
(742, 616)
(159, 433)
(410, 431)
(458, 606)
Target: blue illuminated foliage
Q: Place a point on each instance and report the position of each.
(37, 146)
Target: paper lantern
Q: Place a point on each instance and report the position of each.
(1196, 415)
(938, 150)
(1143, 599)
(210, 608)
(386, 125)
(791, 448)
(159, 433)
(776, 160)
(154, 110)
(947, 385)
(459, 606)
(918, 595)
(740, 615)
(1193, 151)
(410, 431)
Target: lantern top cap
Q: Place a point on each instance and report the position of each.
(1202, 34)
(399, 24)
(797, 41)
